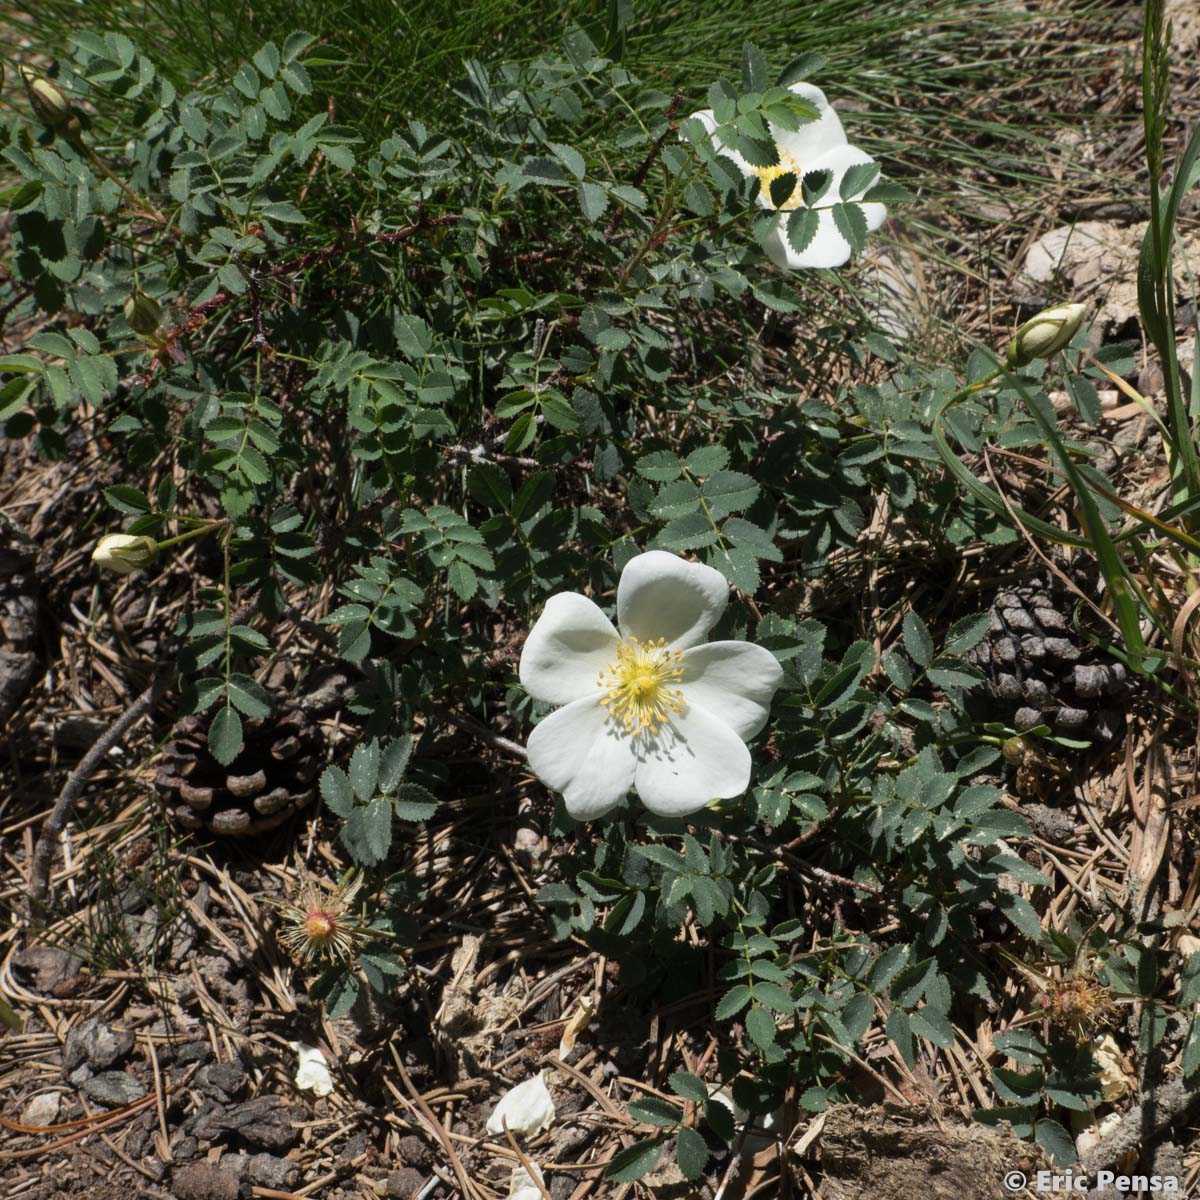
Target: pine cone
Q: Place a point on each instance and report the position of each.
(1041, 671)
(268, 781)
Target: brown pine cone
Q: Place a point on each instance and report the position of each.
(1040, 670)
(270, 779)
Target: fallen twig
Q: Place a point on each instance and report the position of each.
(43, 853)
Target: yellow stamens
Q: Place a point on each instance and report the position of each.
(788, 164)
(639, 685)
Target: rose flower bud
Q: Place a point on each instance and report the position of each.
(124, 553)
(143, 313)
(1046, 334)
(49, 102)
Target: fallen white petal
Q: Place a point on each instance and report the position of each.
(521, 1185)
(312, 1075)
(1114, 1082)
(528, 1108)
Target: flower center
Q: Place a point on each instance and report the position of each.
(788, 164)
(639, 685)
(319, 927)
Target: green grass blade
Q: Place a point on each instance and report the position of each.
(1124, 592)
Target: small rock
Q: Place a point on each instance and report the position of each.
(1071, 718)
(113, 1088)
(1050, 823)
(94, 1043)
(227, 1080)
(235, 1165)
(1026, 718)
(80, 1075)
(354, 1147)
(266, 1170)
(265, 1121)
(42, 1110)
(51, 966)
(404, 1184)
(413, 1152)
(184, 1148)
(192, 1052)
(201, 1181)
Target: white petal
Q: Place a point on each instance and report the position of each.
(527, 1108)
(521, 1184)
(839, 161)
(815, 138)
(748, 1140)
(734, 681)
(663, 595)
(828, 248)
(697, 758)
(583, 753)
(312, 1075)
(705, 116)
(568, 646)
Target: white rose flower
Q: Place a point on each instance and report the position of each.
(819, 145)
(528, 1108)
(652, 707)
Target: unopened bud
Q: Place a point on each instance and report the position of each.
(143, 313)
(1046, 334)
(124, 553)
(49, 102)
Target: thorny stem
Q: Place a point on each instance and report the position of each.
(640, 175)
(140, 202)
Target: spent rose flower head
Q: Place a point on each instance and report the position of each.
(647, 704)
(818, 145)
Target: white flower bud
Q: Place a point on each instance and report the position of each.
(1046, 334)
(124, 553)
(528, 1108)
